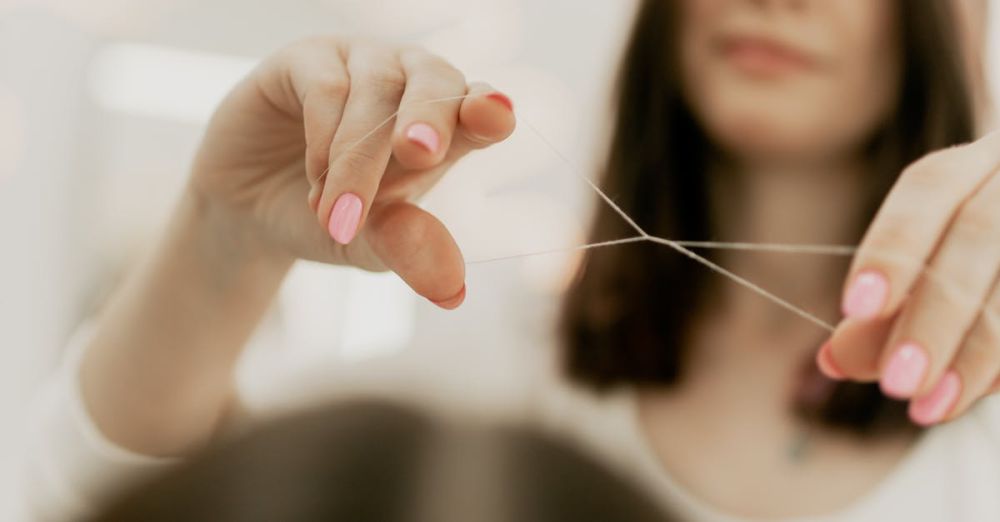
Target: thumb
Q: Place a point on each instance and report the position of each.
(418, 247)
(856, 347)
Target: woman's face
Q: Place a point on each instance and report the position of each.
(789, 80)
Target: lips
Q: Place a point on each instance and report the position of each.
(767, 56)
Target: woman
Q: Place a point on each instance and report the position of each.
(737, 120)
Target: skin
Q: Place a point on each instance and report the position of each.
(788, 137)
(258, 199)
(941, 214)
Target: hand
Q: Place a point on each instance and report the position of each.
(931, 336)
(294, 162)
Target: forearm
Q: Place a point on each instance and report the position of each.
(157, 375)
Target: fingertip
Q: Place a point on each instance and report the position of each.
(345, 218)
(453, 302)
(853, 350)
(418, 247)
(937, 405)
(424, 136)
(866, 296)
(827, 366)
(488, 117)
(502, 99)
(419, 145)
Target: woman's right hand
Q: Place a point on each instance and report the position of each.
(296, 164)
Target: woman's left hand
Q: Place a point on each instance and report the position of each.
(922, 303)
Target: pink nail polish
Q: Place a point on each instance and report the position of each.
(903, 374)
(824, 361)
(425, 136)
(344, 218)
(866, 296)
(501, 98)
(933, 407)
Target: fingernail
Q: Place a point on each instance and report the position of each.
(866, 296)
(425, 136)
(345, 217)
(932, 408)
(904, 372)
(502, 98)
(452, 302)
(824, 360)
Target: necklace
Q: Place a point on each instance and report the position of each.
(800, 446)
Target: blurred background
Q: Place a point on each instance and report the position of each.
(102, 103)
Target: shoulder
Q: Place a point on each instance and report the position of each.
(603, 421)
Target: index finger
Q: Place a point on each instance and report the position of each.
(910, 224)
(361, 148)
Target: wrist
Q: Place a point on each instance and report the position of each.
(224, 237)
(172, 335)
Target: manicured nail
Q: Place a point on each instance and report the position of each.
(425, 136)
(824, 360)
(932, 408)
(866, 296)
(502, 98)
(345, 217)
(452, 302)
(904, 372)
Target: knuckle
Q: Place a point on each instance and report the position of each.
(445, 69)
(355, 159)
(384, 80)
(932, 164)
(977, 222)
(332, 87)
(977, 358)
(406, 231)
(420, 59)
(986, 333)
(927, 174)
(895, 238)
(952, 294)
(414, 52)
(317, 158)
(452, 75)
(476, 141)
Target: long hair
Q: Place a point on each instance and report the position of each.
(625, 319)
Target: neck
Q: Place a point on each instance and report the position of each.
(774, 203)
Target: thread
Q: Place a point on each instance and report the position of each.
(687, 248)
(386, 121)
(603, 244)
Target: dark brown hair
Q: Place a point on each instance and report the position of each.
(625, 318)
(377, 462)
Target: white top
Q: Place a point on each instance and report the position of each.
(952, 473)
